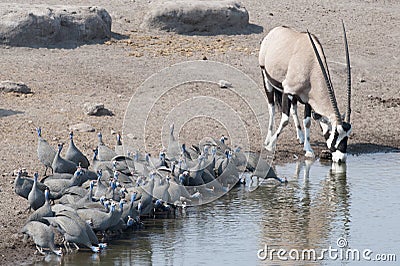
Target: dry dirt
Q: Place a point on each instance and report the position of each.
(64, 79)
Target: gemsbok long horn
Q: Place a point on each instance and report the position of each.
(348, 108)
(328, 82)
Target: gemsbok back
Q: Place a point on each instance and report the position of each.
(294, 68)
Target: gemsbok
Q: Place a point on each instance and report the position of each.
(294, 68)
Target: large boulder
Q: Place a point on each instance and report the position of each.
(40, 25)
(196, 16)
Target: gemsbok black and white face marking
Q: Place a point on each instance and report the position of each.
(289, 66)
(337, 142)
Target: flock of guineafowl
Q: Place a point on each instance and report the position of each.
(122, 188)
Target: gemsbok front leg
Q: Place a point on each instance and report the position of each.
(307, 124)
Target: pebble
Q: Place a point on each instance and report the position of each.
(17, 87)
(97, 109)
(224, 84)
(82, 127)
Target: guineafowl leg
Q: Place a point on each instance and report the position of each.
(66, 245)
(40, 249)
(76, 246)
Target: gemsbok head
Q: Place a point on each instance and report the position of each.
(294, 69)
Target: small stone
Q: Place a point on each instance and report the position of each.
(130, 135)
(16, 87)
(96, 109)
(224, 84)
(113, 132)
(82, 127)
(362, 80)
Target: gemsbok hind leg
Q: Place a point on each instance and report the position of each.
(307, 124)
(293, 110)
(284, 121)
(269, 90)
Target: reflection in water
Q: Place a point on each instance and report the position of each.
(307, 211)
(319, 204)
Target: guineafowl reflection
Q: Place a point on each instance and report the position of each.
(309, 210)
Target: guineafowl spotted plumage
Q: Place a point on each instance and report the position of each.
(45, 151)
(36, 197)
(72, 231)
(61, 165)
(23, 185)
(104, 153)
(75, 155)
(43, 211)
(42, 235)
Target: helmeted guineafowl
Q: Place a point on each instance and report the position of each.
(75, 155)
(58, 186)
(104, 153)
(45, 151)
(61, 165)
(36, 197)
(72, 232)
(42, 235)
(23, 185)
(43, 211)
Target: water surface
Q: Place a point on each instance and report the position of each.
(357, 204)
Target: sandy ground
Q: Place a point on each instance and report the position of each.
(64, 79)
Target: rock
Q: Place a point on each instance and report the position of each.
(41, 25)
(96, 109)
(223, 84)
(82, 127)
(11, 86)
(196, 16)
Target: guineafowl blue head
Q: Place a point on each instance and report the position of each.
(71, 134)
(112, 208)
(121, 204)
(47, 194)
(91, 185)
(102, 199)
(95, 153)
(152, 175)
(119, 139)
(116, 174)
(60, 146)
(39, 131)
(130, 221)
(78, 172)
(100, 136)
(184, 147)
(183, 179)
(214, 151)
(133, 196)
(223, 138)
(35, 176)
